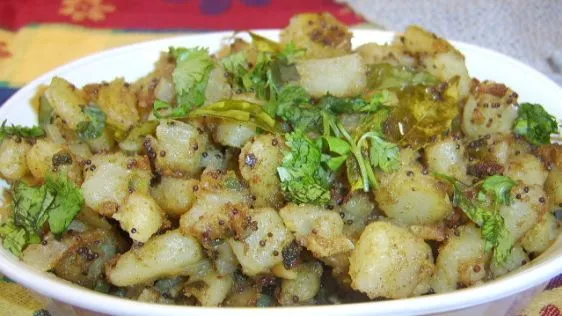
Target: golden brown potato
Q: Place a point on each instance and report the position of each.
(317, 229)
(393, 54)
(117, 100)
(175, 196)
(489, 109)
(399, 195)
(162, 256)
(13, 165)
(461, 260)
(542, 235)
(261, 249)
(302, 289)
(320, 34)
(437, 56)
(389, 261)
(66, 101)
(258, 162)
(140, 217)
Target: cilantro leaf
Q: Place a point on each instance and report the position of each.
(21, 131)
(67, 203)
(236, 65)
(484, 211)
(370, 151)
(303, 178)
(56, 202)
(274, 69)
(293, 106)
(382, 154)
(31, 208)
(499, 187)
(190, 77)
(339, 105)
(94, 126)
(13, 238)
(535, 124)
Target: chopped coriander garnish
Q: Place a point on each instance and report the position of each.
(535, 124)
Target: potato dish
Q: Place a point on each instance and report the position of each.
(301, 171)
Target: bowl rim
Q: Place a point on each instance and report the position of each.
(62, 290)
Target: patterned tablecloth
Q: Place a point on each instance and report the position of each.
(38, 35)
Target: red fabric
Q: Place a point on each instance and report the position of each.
(171, 14)
(550, 310)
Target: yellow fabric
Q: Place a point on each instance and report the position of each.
(16, 300)
(545, 304)
(42, 48)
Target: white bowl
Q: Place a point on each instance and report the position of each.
(498, 297)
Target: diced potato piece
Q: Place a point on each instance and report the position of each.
(399, 195)
(107, 186)
(320, 34)
(87, 253)
(436, 232)
(63, 162)
(118, 101)
(162, 256)
(175, 196)
(145, 87)
(462, 260)
(225, 261)
(217, 86)
(525, 211)
(66, 101)
(44, 256)
(215, 158)
(514, 260)
(261, 250)
(340, 76)
(553, 188)
(356, 210)
(317, 229)
(437, 55)
(527, 169)
(280, 271)
(140, 217)
(209, 290)
(233, 134)
(164, 90)
(374, 53)
(489, 109)
(13, 165)
(39, 157)
(542, 235)
(220, 209)
(389, 261)
(258, 162)
(448, 157)
(304, 287)
(182, 146)
(492, 153)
